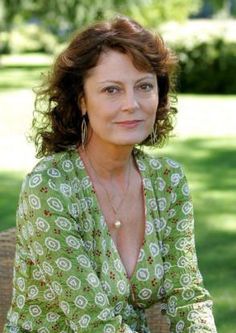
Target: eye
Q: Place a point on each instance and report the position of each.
(111, 90)
(146, 86)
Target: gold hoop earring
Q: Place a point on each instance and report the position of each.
(84, 131)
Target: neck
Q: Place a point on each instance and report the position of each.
(109, 161)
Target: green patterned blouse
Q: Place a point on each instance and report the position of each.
(69, 276)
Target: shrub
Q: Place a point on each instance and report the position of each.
(31, 38)
(208, 67)
(207, 59)
(4, 43)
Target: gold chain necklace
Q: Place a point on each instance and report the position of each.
(117, 224)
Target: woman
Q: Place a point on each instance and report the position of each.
(104, 229)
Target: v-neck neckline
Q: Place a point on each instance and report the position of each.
(101, 215)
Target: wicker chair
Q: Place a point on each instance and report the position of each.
(156, 321)
(7, 252)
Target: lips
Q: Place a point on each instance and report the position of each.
(129, 123)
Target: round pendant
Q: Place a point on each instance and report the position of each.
(117, 224)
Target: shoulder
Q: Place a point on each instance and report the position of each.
(163, 171)
(53, 169)
(158, 163)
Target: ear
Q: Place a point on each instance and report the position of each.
(82, 104)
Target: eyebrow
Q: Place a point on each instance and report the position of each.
(117, 81)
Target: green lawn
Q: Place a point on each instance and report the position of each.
(205, 143)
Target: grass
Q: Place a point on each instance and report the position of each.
(210, 167)
(205, 144)
(9, 192)
(22, 71)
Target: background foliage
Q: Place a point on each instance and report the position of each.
(209, 67)
(63, 16)
(207, 56)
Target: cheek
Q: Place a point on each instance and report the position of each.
(99, 121)
(153, 101)
(151, 108)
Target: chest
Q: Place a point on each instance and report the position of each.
(129, 238)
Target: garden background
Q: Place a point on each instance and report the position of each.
(203, 35)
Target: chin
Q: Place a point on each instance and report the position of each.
(131, 141)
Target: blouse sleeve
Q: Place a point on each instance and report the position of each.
(187, 303)
(54, 249)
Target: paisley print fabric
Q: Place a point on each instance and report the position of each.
(68, 274)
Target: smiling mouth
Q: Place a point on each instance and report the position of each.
(129, 123)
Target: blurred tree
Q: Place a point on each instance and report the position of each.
(62, 16)
(151, 12)
(219, 4)
(8, 11)
(211, 8)
(57, 15)
(227, 6)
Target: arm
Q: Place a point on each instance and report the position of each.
(49, 235)
(187, 303)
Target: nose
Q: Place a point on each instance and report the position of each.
(130, 101)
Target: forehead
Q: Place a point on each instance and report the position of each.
(115, 64)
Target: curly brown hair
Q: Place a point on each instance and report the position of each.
(57, 116)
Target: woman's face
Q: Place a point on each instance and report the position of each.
(120, 101)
